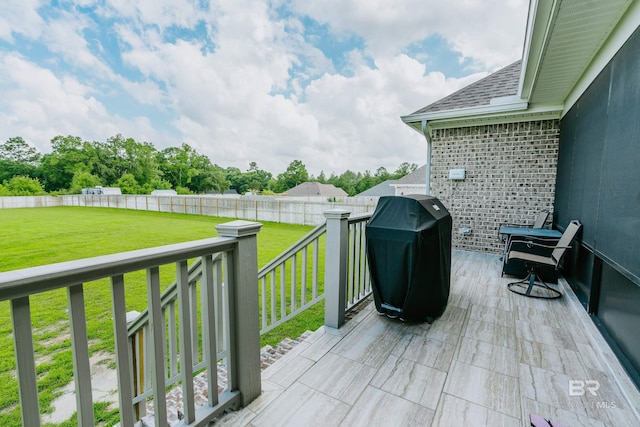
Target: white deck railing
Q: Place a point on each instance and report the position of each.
(171, 341)
(230, 259)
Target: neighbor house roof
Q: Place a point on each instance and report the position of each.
(315, 189)
(417, 177)
(382, 189)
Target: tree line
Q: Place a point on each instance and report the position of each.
(139, 168)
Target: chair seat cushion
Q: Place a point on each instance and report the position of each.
(525, 256)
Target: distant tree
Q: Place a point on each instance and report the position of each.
(18, 158)
(17, 150)
(257, 179)
(119, 156)
(128, 184)
(295, 174)
(347, 181)
(254, 179)
(69, 154)
(365, 182)
(381, 175)
(155, 184)
(185, 167)
(4, 191)
(24, 186)
(83, 179)
(183, 190)
(404, 169)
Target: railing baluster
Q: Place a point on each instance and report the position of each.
(365, 261)
(156, 346)
(186, 336)
(303, 285)
(314, 278)
(123, 361)
(173, 340)
(25, 363)
(80, 354)
(263, 307)
(355, 264)
(209, 326)
(294, 281)
(193, 311)
(232, 366)
(283, 290)
(351, 260)
(220, 311)
(143, 369)
(273, 297)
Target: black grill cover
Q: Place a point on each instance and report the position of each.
(409, 250)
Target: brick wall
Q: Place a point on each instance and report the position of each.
(510, 177)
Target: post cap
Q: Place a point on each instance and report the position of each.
(238, 228)
(337, 214)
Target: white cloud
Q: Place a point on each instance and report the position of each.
(489, 32)
(264, 93)
(39, 106)
(20, 17)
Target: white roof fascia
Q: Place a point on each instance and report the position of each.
(450, 119)
(625, 28)
(514, 104)
(541, 15)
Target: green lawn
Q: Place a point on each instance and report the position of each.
(32, 237)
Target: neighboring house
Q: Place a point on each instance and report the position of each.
(413, 183)
(385, 188)
(316, 189)
(102, 190)
(557, 130)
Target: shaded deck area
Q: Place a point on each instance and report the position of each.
(492, 359)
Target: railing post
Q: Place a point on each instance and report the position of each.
(244, 310)
(335, 267)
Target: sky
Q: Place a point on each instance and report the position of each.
(321, 81)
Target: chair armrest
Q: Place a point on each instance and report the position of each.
(536, 243)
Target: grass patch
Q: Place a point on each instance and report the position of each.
(41, 236)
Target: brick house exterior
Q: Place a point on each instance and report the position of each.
(510, 176)
(510, 165)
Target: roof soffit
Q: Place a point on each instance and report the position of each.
(563, 38)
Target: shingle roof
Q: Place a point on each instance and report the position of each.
(382, 189)
(315, 189)
(503, 82)
(419, 176)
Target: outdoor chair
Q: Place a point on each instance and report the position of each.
(534, 262)
(539, 222)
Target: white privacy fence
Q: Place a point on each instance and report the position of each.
(289, 210)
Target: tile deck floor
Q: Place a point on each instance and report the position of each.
(493, 358)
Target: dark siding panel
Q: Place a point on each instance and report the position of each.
(587, 156)
(618, 235)
(578, 264)
(561, 214)
(598, 182)
(618, 312)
